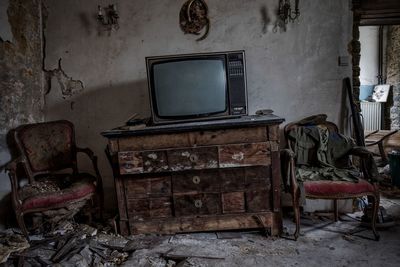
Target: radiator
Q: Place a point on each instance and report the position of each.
(372, 115)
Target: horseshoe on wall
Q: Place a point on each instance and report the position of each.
(193, 17)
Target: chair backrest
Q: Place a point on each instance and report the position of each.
(292, 126)
(332, 128)
(47, 147)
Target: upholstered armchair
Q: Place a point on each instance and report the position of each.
(46, 151)
(317, 164)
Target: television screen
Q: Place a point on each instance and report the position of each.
(190, 87)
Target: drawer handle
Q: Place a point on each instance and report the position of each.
(198, 203)
(196, 179)
(193, 158)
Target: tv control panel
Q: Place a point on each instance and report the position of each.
(235, 68)
(237, 83)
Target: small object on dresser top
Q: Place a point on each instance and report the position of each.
(132, 127)
(133, 122)
(137, 120)
(264, 112)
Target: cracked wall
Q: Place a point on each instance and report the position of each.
(295, 73)
(21, 77)
(102, 79)
(67, 85)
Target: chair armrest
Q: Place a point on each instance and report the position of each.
(93, 158)
(368, 165)
(286, 152)
(11, 169)
(87, 151)
(288, 169)
(360, 151)
(99, 181)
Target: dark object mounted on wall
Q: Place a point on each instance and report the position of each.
(108, 16)
(286, 14)
(193, 18)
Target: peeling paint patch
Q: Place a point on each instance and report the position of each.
(238, 156)
(69, 86)
(21, 94)
(185, 154)
(152, 156)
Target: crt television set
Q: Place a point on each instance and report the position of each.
(195, 87)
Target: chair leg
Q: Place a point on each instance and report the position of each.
(101, 204)
(376, 201)
(335, 210)
(96, 206)
(383, 153)
(21, 224)
(296, 209)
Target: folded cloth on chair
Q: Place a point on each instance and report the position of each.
(319, 154)
(305, 173)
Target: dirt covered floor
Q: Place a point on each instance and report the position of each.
(322, 243)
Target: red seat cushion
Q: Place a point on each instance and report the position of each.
(76, 191)
(336, 188)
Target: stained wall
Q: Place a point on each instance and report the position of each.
(97, 78)
(293, 72)
(21, 78)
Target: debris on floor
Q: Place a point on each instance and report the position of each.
(320, 243)
(10, 243)
(73, 245)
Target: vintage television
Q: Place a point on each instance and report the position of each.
(195, 87)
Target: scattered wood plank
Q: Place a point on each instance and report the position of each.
(63, 251)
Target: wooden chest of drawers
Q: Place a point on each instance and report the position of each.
(216, 175)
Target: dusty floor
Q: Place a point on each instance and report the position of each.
(322, 243)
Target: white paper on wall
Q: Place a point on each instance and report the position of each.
(381, 92)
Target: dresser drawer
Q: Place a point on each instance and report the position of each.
(139, 209)
(258, 200)
(193, 158)
(147, 187)
(258, 177)
(130, 162)
(233, 202)
(196, 181)
(154, 161)
(255, 154)
(232, 179)
(197, 204)
(212, 157)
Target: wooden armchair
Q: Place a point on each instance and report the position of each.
(326, 189)
(45, 150)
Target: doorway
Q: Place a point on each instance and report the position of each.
(379, 75)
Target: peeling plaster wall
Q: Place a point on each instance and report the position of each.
(393, 73)
(21, 83)
(295, 73)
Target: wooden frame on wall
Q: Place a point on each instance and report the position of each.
(377, 12)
